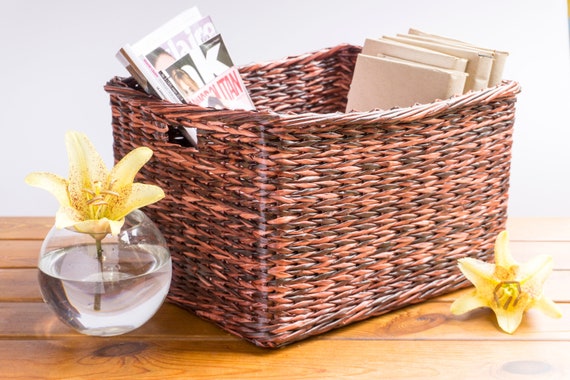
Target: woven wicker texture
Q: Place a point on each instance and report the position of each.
(300, 218)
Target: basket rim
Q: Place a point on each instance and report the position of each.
(506, 89)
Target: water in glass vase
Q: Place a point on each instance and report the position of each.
(111, 299)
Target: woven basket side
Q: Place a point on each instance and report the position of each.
(285, 225)
(389, 213)
(379, 221)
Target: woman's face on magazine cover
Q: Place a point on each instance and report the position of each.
(163, 61)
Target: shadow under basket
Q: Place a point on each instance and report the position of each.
(299, 218)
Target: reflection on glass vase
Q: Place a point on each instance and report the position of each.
(106, 287)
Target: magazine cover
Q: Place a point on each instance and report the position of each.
(186, 61)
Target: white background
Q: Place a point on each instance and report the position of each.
(58, 54)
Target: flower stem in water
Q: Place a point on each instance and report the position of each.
(99, 289)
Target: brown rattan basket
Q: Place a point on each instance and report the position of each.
(299, 218)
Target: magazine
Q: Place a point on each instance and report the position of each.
(186, 61)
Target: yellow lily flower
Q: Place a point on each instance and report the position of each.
(506, 287)
(94, 200)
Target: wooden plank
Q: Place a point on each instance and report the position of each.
(433, 321)
(539, 229)
(24, 253)
(20, 227)
(35, 320)
(425, 321)
(523, 251)
(19, 253)
(21, 284)
(364, 359)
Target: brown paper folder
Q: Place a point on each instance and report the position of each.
(385, 82)
(499, 57)
(382, 46)
(479, 63)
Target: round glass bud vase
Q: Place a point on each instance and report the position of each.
(108, 287)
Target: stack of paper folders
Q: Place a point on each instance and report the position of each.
(417, 67)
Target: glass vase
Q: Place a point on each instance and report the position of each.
(109, 288)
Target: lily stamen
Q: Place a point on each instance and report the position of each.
(509, 289)
(110, 192)
(97, 201)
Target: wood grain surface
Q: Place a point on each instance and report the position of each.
(420, 341)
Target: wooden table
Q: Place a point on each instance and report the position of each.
(421, 341)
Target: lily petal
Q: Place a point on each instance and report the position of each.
(509, 321)
(123, 175)
(476, 271)
(99, 227)
(116, 225)
(67, 216)
(467, 302)
(535, 272)
(85, 167)
(124, 172)
(52, 183)
(548, 307)
(141, 195)
(503, 257)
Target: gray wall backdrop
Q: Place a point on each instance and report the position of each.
(58, 54)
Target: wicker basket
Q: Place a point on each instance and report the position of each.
(299, 218)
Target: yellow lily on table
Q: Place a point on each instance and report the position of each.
(508, 288)
(93, 199)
